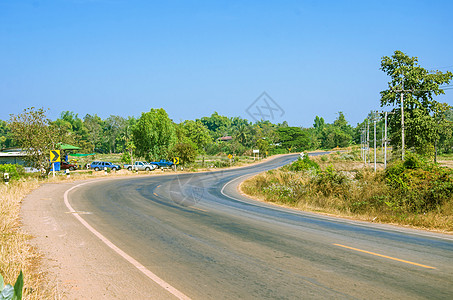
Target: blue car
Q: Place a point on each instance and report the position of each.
(100, 165)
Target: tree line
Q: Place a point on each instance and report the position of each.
(152, 136)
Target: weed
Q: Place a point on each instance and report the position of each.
(412, 192)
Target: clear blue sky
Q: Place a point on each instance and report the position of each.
(118, 57)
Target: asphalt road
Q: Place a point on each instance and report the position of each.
(196, 232)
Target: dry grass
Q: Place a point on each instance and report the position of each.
(363, 195)
(15, 252)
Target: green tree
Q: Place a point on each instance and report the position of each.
(154, 135)
(241, 134)
(5, 135)
(263, 146)
(218, 125)
(75, 128)
(37, 135)
(186, 152)
(445, 142)
(442, 126)
(418, 87)
(198, 134)
(293, 138)
(319, 124)
(114, 126)
(94, 125)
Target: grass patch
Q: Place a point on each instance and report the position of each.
(414, 192)
(16, 254)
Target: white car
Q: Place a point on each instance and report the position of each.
(140, 166)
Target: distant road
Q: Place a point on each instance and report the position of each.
(198, 234)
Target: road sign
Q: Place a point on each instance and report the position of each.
(176, 160)
(230, 156)
(54, 156)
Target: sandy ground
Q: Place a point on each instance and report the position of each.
(82, 265)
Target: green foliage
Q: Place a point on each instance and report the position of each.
(418, 186)
(276, 151)
(293, 138)
(5, 135)
(8, 292)
(154, 135)
(421, 111)
(330, 182)
(198, 134)
(15, 171)
(186, 152)
(304, 164)
(126, 158)
(328, 136)
(218, 125)
(280, 192)
(37, 135)
(263, 146)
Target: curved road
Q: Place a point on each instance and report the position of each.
(196, 232)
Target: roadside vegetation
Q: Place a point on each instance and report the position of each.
(16, 254)
(410, 192)
(416, 191)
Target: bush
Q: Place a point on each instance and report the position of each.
(275, 151)
(304, 164)
(418, 186)
(15, 171)
(331, 183)
(126, 158)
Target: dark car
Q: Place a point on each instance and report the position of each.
(100, 165)
(162, 163)
(65, 165)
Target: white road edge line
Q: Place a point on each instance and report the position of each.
(165, 285)
(345, 221)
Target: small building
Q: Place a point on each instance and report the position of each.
(13, 156)
(225, 138)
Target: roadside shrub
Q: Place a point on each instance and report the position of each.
(304, 164)
(126, 158)
(278, 151)
(330, 182)
(418, 186)
(15, 171)
(221, 164)
(280, 192)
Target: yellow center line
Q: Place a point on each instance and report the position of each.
(199, 209)
(385, 256)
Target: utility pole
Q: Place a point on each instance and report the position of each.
(385, 141)
(367, 139)
(374, 145)
(402, 124)
(361, 143)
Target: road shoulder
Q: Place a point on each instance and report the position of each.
(81, 264)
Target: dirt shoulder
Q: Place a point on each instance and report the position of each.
(81, 265)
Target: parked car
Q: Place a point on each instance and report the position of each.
(65, 165)
(162, 163)
(100, 165)
(140, 166)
